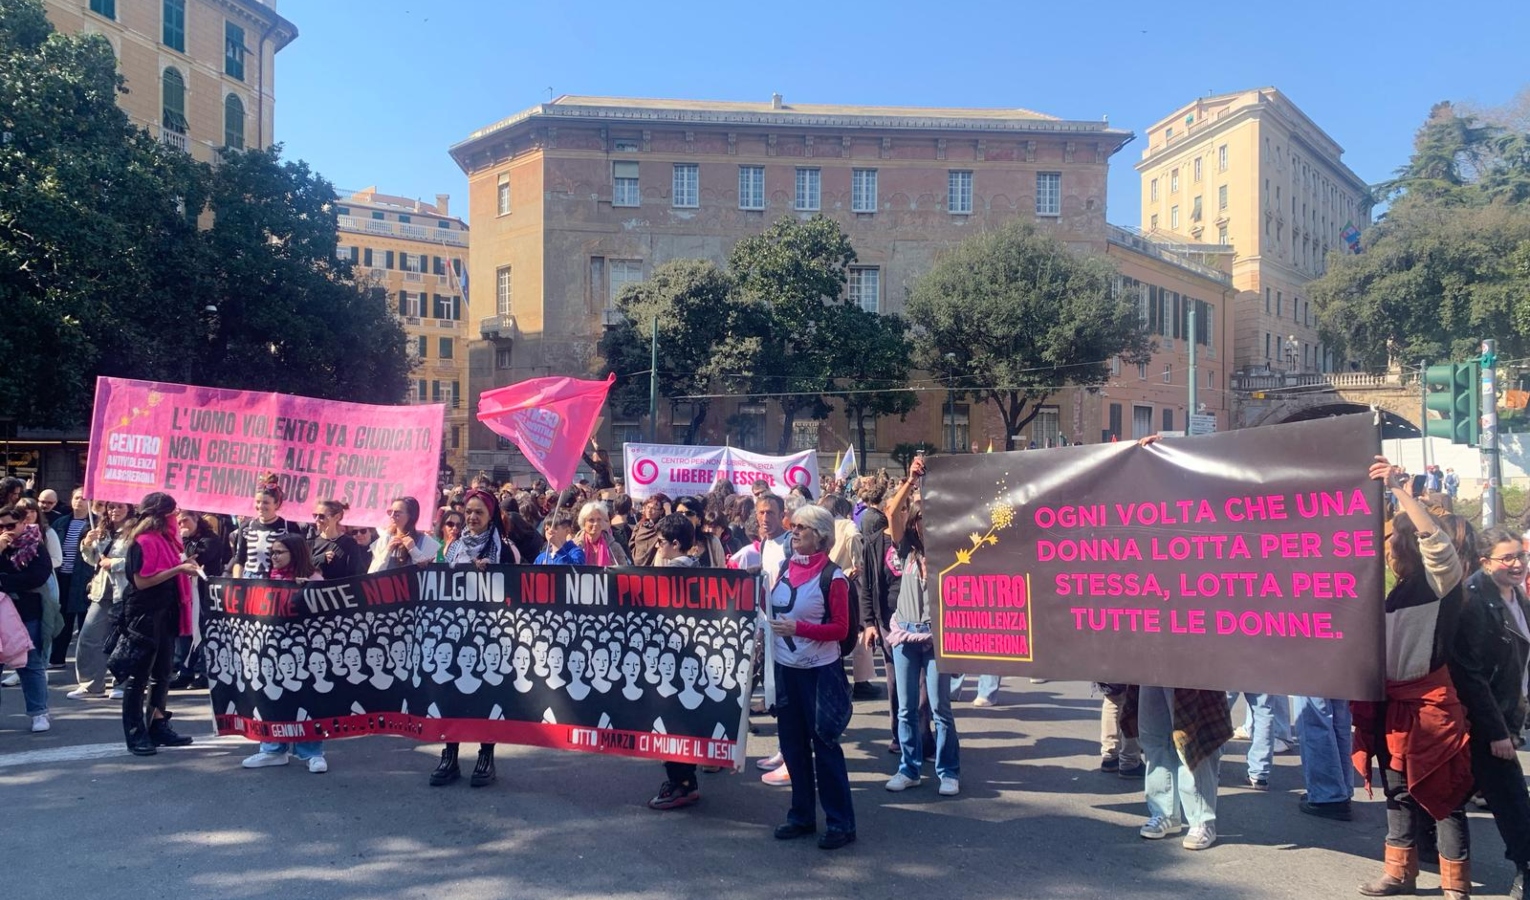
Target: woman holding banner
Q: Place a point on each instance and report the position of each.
(480, 545)
(1418, 734)
(252, 545)
(809, 610)
(335, 552)
(404, 544)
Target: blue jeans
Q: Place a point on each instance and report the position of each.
(304, 750)
(1262, 709)
(34, 674)
(912, 661)
(987, 686)
(1170, 784)
(812, 707)
(1282, 724)
(1327, 739)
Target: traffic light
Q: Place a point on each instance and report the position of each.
(1452, 391)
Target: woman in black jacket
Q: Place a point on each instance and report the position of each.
(1489, 666)
(24, 568)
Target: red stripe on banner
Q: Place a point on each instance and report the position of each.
(645, 745)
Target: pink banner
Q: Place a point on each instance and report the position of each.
(207, 446)
(549, 419)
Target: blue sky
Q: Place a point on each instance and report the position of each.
(374, 91)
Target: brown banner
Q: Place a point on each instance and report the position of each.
(1250, 560)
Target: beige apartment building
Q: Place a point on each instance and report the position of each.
(1251, 171)
(418, 253)
(200, 73)
(573, 199)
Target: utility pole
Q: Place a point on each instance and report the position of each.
(1194, 408)
(653, 384)
(1423, 413)
(951, 400)
(1488, 437)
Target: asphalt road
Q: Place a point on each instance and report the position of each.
(79, 817)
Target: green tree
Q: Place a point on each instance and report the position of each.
(104, 270)
(1012, 316)
(708, 339)
(880, 354)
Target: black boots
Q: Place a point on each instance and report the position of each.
(133, 728)
(447, 771)
(483, 773)
(162, 735)
(1521, 875)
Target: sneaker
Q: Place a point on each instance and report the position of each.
(833, 840)
(949, 787)
(82, 694)
(769, 763)
(1110, 764)
(1280, 747)
(11, 679)
(1160, 827)
(1240, 734)
(1039, 681)
(1200, 837)
(982, 702)
(262, 760)
(1258, 784)
(675, 796)
(116, 694)
(1137, 771)
(318, 766)
(865, 690)
(901, 782)
(40, 724)
(779, 777)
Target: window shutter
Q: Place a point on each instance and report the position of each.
(390, 259)
(403, 303)
(435, 264)
(368, 257)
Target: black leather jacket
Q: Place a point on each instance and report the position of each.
(1488, 659)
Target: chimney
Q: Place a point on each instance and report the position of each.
(775, 101)
(442, 204)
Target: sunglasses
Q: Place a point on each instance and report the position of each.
(319, 517)
(7, 526)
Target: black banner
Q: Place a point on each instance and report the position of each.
(1250, 560)
(651, 662)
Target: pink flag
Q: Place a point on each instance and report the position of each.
(550, 419)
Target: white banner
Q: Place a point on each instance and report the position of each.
(679, 471)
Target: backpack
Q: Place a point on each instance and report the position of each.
(826, 578)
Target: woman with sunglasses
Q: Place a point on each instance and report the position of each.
(403, 544)
(1488, 664)
(448, 530)
(335, 553)
(707, 550)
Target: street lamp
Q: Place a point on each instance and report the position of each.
(951, 400)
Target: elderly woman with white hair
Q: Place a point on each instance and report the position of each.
(809, 614)
(600, 547)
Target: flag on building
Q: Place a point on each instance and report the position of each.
(549, 419)
(846, 466)
(1351, 236)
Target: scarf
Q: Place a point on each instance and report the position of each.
(26, 547)
(163, 550)
(598, 553)
(470, 547)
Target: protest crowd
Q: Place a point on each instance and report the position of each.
(845, 577)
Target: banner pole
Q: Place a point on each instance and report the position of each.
(1193, 398)
(653, 383)
(1488, 438)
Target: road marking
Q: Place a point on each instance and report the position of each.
(83, 752)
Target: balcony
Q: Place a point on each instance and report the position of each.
(498, 328)
(414, 277)
(410, 232)
(175, 139)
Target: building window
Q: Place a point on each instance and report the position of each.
(863, 190)
(1222, 237)
(107, 8)
(626, 146)
(750, 422)
(1142, 371)
(626, 433)
(420, 346)
(959, 422)
(502, 197)
(805, 435)
(419, 390)
(959, 192)
(1142, 421)
(233, 122)
(1168, 419)
(808, 193)
(1280, 304)
(447, 348)
(1048, 193)
(1114, 429)
(686, 186)
(751, 187)
(173, 27)
(435, 391)
(1046, 429)
(624, 184)
(174, 95)
(409, 303)
(443, 307)
(1222, 197)
(233, 50)
(1153, 222)
(456, 437)
(502, 293)
(1266, 301)
(1168, 373)
(379, 217)
(503, 358)
(1195, 210)
(1174, 181)
(1115, 365)
(1173, 217)
(865, 287)
(623, 273)
(1196, 169)
(1153, 190)
(1222, 158)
